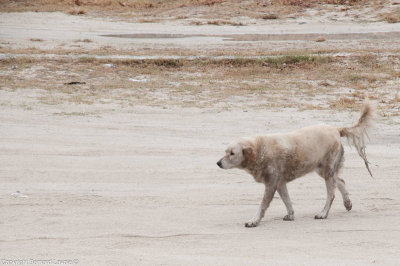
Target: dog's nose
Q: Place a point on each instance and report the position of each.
(219, 163)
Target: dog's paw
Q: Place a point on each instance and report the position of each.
(289, 217)
(348, 205)
(252, 223)
(320, 216)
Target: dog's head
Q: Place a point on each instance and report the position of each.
(237, 155)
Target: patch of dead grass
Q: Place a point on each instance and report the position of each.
(225, 51)
(320, 39)
(20, 60)
(311, 3)
(309, 106)
(286, 81)
(345, 103)
(223, 22)
(84, 40)
(76, 11)
(391, 17)
(270, 16)
(239, 62)
(208, 9)
(355, 77)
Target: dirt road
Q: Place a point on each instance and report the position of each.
(141, 187)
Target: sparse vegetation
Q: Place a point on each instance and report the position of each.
(224, 22)
(205, 9)
(77, 12)
(17, 60)
(148, 20)
(205, 82)
(392, 17)
(84, 40)
(345, 103)
(310, 3)
(280, 61)
(274, 61)
(270, 16)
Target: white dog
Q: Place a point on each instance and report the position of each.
(275, 160)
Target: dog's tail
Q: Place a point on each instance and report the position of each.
(356, 134)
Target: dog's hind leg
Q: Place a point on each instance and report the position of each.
(330, 189)
(329, 170)
(340, 182)
(345, 195)
(283, 193)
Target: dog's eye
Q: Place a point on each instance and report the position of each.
(232, 153)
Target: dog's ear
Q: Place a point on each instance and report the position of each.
(248, 154)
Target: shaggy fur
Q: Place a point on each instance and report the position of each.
(275, 160)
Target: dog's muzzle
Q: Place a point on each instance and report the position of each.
(219, 163)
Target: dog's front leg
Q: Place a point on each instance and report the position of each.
(268, 196)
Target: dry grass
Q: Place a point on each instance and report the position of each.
(271, 62)
(295, 80)
(17, 60)
(310, 3)
(156, 4)
(36, 40)
(391, 17)
(77, 11)
(309, 106)
(223, 22)
(207, 9)
(217, 22)
(270, 16)
(149, 20)
(117, 5)
(345, 103)
(84, 40)
(239, 51)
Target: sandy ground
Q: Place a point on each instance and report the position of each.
(61, 31)
(139, 185)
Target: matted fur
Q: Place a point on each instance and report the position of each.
(275, 160)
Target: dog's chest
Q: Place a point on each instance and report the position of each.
(258, 178)
(258, 175)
